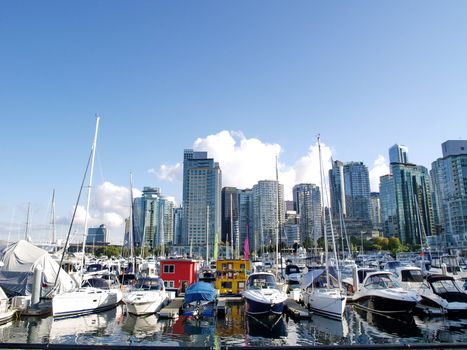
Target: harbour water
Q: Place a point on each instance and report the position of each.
(235, 329)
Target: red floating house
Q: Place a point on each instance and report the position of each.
(178, 274)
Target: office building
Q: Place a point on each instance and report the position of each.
(449, 178)
(97, 235)
(268, 213)
(307, 204)
(201, 201)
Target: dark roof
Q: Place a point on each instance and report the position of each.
(434, 278)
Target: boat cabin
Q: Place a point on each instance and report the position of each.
(178, 274)
(231, 275)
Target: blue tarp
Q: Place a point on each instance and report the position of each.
(200, 291)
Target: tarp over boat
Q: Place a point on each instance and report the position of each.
(19, 262)
(313, 275)
(200, 291)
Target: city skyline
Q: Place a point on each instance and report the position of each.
(244, 82)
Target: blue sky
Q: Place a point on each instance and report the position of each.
(161, 74)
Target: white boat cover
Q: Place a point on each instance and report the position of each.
(19, 261)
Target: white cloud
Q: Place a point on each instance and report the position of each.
(167, 172)
(110, 205)
(245, 161)
(380, 168)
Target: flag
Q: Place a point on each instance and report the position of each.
(246, 249)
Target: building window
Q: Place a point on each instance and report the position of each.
(169, 268)
(169, 284)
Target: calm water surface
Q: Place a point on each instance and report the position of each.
(116, 327)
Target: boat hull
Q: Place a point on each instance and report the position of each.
(326, 303)
(85, 301)
(257, 308)
(145, 302)
(387, 306)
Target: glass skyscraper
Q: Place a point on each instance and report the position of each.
(307, 204)
(398, 154)
(268, 213)
(201, 200)
(449, 178)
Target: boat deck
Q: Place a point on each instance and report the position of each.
(173, 309)
(294, 309)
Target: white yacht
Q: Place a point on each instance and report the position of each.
(262, 297)
(148, 296)
(6, 311)
(322, 298)
(85, 300)
(411, 279)
(381, 293)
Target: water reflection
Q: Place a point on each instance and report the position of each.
(204, 326)
(403, 327)
(142, 326)
(232, 324)
(442, 329)
(88, 325)
(336, 328)
(266, 327)
(115, 327)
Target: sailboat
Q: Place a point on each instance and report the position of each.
(84, 300)
(321, 290)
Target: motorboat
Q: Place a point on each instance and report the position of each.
(321, 298)
(292, 275)
(446, 288)
(200, 300)
(411, 279)
(206, 274)
(262, 296)
(147, 297)
(95, 294)
(381, 293)
(85, 300)
(6, 311)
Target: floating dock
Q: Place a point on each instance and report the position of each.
(294, 309)
(173, 309)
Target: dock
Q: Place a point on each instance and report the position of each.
(173, 309)
(296, 310)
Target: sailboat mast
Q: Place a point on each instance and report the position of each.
(323, 215)
(231, 227)
(162, 230)
(89, 189)
(131, 233)
(52, 218)
(277, 218)
(207, 235)
(26, 233)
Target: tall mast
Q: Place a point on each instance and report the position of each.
(162, 229)
(93, 150)
(131, 233)
(231, 229)
(277, 218)
(52, 216)
(26, 233)
(207, 235)
(323, 214)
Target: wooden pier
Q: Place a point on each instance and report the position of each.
(294, 309)
(173, 309)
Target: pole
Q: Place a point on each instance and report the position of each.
(89, 189)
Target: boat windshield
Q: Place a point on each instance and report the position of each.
(411, 276)
(381, 282)
(444, 286)
(261, 282)
(149, 284)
